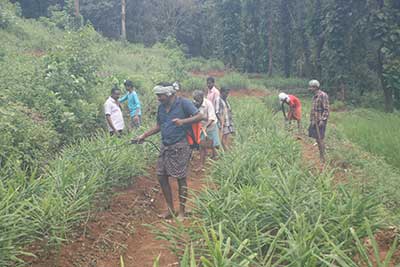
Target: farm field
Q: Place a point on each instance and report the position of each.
(72, 195)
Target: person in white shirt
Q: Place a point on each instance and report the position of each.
(112, 110)
(209, 132)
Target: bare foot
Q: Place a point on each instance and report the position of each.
(181, 217)
(166, 215)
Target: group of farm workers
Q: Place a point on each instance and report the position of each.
(208, 119)
(211, 111)
(318, 117)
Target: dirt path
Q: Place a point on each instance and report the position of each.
(120, 232)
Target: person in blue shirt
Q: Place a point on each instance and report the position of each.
(133, 104)
(174, 117)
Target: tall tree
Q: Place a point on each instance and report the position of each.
(285, 24)
(123, 20)
(76, 5)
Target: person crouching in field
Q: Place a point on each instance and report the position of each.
(319, 116)
(113, 113)
(209, 129)
(133, 104)
(226, 119)
(294, 112)
(174, 117)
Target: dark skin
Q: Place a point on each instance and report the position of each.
(320, 141)
(164, 180)
(114, 96)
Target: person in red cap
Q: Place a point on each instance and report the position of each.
(294, 112)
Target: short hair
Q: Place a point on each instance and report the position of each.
(128, 83)
(114, 89)
(225, 89)
(211, 79)
(198, 93)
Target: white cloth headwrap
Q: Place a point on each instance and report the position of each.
(283, 97)
(166, 90)
(314, 83)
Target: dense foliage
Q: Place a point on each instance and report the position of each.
(352, 46)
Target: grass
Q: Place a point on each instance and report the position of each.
(51, 206)
(374, 131)
(273, 209)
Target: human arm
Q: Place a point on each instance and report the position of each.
(196, 118)
(123, 99)
(324, 107)
(152, 131)
(138, 106)
(110, 123)
(283, 111)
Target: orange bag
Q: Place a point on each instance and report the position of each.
(193, 135)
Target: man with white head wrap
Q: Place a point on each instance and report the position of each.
(319, 116)
(174, 117)
(294, 112)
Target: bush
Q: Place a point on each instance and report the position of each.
(193, 83)
(26, 140)
(234, 81)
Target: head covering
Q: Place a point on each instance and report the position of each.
(314, 83)
(163, 89)
(283, 97)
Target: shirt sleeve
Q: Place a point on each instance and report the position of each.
(325, 107)
(189, 108)
(211, 112)
(123, 99)
(107, 108)
(136, 98)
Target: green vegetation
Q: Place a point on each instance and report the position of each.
(374, 131)
(276, 211)
(57, 164)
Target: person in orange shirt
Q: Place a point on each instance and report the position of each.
(294, 112)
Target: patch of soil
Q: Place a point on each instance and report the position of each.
(249, 92)
(235, 93)
(120, 232)
(36, 53)
(384, 239)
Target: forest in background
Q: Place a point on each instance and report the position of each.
(351, 46)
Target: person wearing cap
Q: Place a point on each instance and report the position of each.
(294, 112)
(319, 116)
(133, 104)
(174, 117)
(209, 129)
(113, 113)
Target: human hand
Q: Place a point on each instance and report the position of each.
(321, 123)
(178, 122)
(136, 119)
(139, 139)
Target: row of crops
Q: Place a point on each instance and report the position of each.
(269, 209)
(49, 208)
